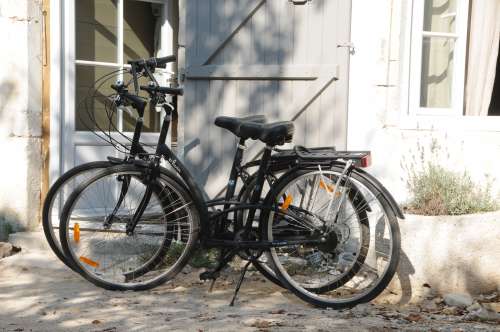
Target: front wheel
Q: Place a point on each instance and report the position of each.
(95, 237)
(350, 237)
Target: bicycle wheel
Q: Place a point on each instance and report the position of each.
(93, 229)
(56, 196)
(263, 266)
(357, 249)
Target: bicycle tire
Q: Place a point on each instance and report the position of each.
(98, 278)
(55, 190)
(265, 269)
(48, 204)
(317, 296)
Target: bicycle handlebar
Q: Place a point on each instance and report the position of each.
(163, 89)
(153, 62)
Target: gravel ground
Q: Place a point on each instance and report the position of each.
(38, 293)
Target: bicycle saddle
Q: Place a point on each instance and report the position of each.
(276, 133)
(233, 124)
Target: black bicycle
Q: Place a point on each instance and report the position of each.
(63, 186)
(325, 229)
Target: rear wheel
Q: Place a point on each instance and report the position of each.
(93, 229)
(263, 265)
(356, 250)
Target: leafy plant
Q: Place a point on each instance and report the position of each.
(204, 258)
(438, 191)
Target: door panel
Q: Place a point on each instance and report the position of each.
(261, 57)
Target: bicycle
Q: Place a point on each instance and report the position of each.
(55, 196)
(301, 242)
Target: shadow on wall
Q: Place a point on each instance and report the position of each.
(268, 37)
(20, 124)
(7, 91)
(446, 254)
(9, 218)
(403, 273)
(19, 128)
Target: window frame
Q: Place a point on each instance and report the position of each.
(162, 75)
(63, 136)
(459, 62)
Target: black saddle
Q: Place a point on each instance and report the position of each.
(276, 133)
(233, 124)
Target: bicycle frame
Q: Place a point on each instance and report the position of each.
(208, 221)
(216, 223)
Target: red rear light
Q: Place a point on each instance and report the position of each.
(365, 161)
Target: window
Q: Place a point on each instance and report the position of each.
(108, 33)
(438, 56)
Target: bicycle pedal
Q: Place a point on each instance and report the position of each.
(209, 275)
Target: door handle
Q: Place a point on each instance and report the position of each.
(350, 46)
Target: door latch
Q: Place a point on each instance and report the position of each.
(350, 46)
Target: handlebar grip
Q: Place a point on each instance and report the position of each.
(163, 89)
(171, 91)
(154, 62)
(162, 62)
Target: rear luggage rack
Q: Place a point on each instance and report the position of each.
(323, 156)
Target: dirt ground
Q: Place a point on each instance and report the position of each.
(38, 293)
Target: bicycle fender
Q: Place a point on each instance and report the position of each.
(382, 190)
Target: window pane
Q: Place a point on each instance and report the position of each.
(437, 72)
(440, 15)
(96, 30)
(90, 112)
(151, 121)
(141, 25)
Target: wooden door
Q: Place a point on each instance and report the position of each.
(280, 58)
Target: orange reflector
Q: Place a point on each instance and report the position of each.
(327, 187)
(88, 261)
(286, 203)
(76, 232)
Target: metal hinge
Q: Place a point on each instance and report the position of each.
(350, 46)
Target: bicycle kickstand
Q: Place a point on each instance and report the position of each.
(240, 281)
(214, 274)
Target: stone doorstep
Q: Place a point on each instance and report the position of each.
(30, 241)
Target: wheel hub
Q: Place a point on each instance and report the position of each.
(330, 242)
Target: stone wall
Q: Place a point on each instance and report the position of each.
(447, 254)
(20, 114)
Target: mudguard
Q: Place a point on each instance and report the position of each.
(382, 190)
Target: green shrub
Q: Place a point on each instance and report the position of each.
(438, 191)
(204, 258)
